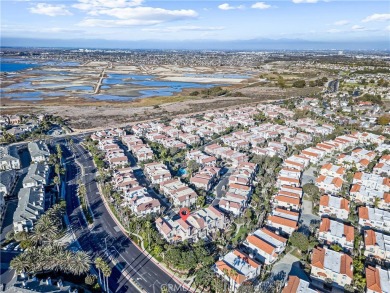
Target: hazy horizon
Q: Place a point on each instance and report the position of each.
(253, 44)
(302, 24)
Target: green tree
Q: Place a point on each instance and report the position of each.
(200, 201)
(90, 280)
(299, 84)
(59, 152)
(281, 83)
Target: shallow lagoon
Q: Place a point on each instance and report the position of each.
(60, 82)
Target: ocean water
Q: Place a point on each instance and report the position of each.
(12, 67)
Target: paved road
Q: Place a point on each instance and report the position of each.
(307, 217)
(134, 263)
(91, 242)
(222, 182)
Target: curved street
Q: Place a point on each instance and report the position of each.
(105, 238)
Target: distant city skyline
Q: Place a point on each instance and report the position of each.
(195, 21)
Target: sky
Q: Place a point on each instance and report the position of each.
(185, 20)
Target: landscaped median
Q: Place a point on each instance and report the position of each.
(138, 241)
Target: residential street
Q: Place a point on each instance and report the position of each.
(130, 261)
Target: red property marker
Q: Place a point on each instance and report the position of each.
(184, 213)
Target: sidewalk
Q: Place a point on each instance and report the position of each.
(162, 266)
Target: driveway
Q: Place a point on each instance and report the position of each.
(218, 189)
(287, 265)
(307, 217)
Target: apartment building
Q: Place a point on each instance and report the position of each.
(265, 245)
(283, 221)
(157, 172)
(9, 158)
(329, 264)
(180, 194)
(334, 232)
(332, 170)
(329, 184)
(377, 244)
(334, 206)
(201, 224)
(206, 178)
(297, 285)
(377, 279)
(39, 151)
(237, 268)
(374, 218)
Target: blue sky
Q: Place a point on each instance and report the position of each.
(131, 20)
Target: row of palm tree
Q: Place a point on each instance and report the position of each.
(104, 272)
(43, 253)
(53, 257)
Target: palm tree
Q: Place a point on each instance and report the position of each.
(148, 225)
(22, 263)
(57, 181)
(106, 273)
(45, 230)
(58, 170)
(80, 263)
(59, 152)
(99, 263)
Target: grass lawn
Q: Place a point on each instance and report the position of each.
(296, 253)
(242, 232)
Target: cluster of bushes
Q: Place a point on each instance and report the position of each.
(376, 99)
(318, 82)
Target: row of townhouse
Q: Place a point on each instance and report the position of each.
(336, 232)
(206, 178)
(273, 148)
(300, 138)
(359, 159)
(136, 197)
(180, 194)
(329, 184)
(237, 268)
(140, 150)
(372, 181)
(328, 264)
(311, 126)
(265, 246)
(7, 184)
(334, 206)
(114, 154)
(332, 170)
(167, 142)
(274, 111)
(374, 218)
(298, 162)
(383, 166)
(236, 144)
(239, 189)
(140, 202)
(157, 172)
(201, 158)
(362, 194)
(202, 224)
(32, 196)
(376, 244)
(226, 154)
(39, 151)
(9, 158)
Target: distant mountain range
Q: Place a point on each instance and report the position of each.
(253, 44)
